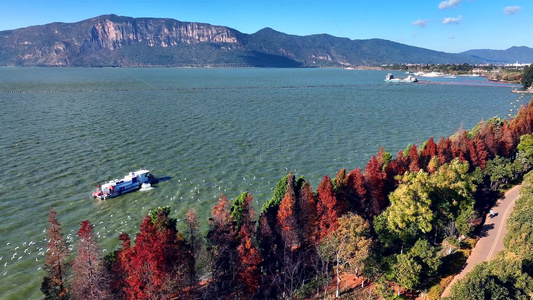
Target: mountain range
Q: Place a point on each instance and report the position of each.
(514, 54)
(111, 40)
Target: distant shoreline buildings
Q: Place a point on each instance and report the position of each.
(518, 65)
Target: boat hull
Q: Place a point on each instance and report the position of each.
(118, 193)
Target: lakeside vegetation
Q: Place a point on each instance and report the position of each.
(400, 225)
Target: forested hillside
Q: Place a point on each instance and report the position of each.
(116, 41)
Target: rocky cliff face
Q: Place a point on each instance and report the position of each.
(98, 41)
(113, 34)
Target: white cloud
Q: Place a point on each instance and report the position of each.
(511, 10)
(420, 23)
(449, 3)
(452, 20)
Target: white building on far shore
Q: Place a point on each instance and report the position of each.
(517, 65)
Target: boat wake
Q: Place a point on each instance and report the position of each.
(146, 187)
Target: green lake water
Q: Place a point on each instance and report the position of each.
(205, 131)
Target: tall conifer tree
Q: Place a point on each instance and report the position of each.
(326, 208)
(374, 180)
(289, 228)
(54, 283)
(91, 280)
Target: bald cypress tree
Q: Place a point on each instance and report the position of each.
(326, 208)
(91, 280)
(374, 182)
(413, 159)
(308, 214)
(54, 283)
(287, 217)
(222, 244)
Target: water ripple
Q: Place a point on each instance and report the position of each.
(211, 131)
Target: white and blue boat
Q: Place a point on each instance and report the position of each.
(131, 182)
(408, 79)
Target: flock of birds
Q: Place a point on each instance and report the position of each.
(25, 249)
(34, 251)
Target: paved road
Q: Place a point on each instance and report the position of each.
(491, 241)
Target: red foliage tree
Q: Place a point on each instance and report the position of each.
(509, 141)
(522, 124)
(91, 280)
(488, 135)
(357, 191)
(159, 261)
(430, 150)
(381, 157)
(326, 208)
(374, 181)
(472, 153)
(413, 159)
(460, 145)
(287, 217)
(401, 163)
(458, 153)
(308, 214)
(249, 261)
(481, 153)
(220, 215)
(444, 150)
(119, 267)
(390, 172)
(54, 283)
(146, 269)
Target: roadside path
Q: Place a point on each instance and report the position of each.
(493, 232)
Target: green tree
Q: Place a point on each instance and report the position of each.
(409, 213)
(416, 265)
(455, 176)
(279, 193)
(407, 271)
(426, 256)
(502, 278)
(525, 151)
(242, 210)
(386, 237)
(452, 193)
(464, 221)
(499, 171)
(527, 77)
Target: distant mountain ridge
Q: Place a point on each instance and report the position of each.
(111, 40)
(514, 54)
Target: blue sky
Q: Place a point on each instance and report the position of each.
(450, 26)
